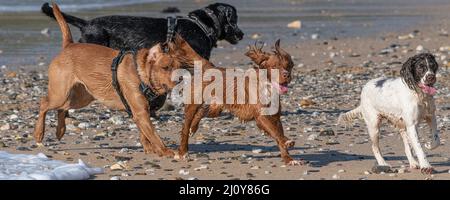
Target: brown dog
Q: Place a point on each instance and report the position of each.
(81, 73)
(270, 124)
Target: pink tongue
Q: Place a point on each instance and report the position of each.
(427, 89)
(282, 89)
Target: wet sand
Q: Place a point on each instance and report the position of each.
(329, 74)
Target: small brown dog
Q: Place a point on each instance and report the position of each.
(270, 124)
(81, 73)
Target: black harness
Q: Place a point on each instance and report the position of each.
(146, 90)
(211, 33)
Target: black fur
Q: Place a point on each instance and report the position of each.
(129, 32)
(415, 68)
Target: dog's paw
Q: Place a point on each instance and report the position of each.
(427, 170)
(289, 143)
(414, 166)
(177, 156)
(297, 163)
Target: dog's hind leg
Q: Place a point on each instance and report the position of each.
(59, 86)
(79, 97)
(190, 111)
(201, 112)
(61, 127)
(373, 127)
(40, 123)
(413, 164)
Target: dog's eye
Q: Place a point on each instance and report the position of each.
(421, 68)
(167, 68)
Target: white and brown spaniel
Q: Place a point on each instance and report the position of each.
(405, 102)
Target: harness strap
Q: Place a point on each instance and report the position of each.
(146, 90)
(115, 65)
(172, 23)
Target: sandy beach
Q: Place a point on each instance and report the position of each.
(353, 45)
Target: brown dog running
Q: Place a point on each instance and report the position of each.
(270, 124)
(81, 73)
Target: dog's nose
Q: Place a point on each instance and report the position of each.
(240, 34)
(430, 78)
(286, 74)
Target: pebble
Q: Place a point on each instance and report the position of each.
(256, 36)
(115, 178)
(257, 151)
(183, 172)
(378, 169)
(419, 48)
(315, 36)
(2, 144)
(306, 103)
(331, 142)
(201, 167)
(83, 125)
(119, 166)
(23, 149)
(326, 132)
(341, 171)
(336, 176)
(192, 178)
(312, 137)
(13, 117)
(116, 120)
(5, 127)
(297, 24)
(255, 167)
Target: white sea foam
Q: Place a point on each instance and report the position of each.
(40, 167)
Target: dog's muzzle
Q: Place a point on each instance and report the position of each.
(430, 79)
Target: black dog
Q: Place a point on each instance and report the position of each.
(201, 29)
(129, 32)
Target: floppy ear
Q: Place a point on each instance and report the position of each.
(154, 52)
(279, 51)
(407, 73)
(257, 55)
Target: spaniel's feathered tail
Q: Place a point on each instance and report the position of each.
(348, 117)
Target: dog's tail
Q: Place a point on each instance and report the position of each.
(47, 10)
(66, 34)
(348, 117)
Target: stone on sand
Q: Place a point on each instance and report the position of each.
(5, 127)
(297, 24)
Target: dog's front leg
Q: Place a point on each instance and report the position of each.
(425, 166)
(272, 126)
(141, 116)
(435, 140)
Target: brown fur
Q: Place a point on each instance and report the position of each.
(81, 73)
(270, 124)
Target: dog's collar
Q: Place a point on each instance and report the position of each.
(216, 21)
(146, 90)
(213, 34)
